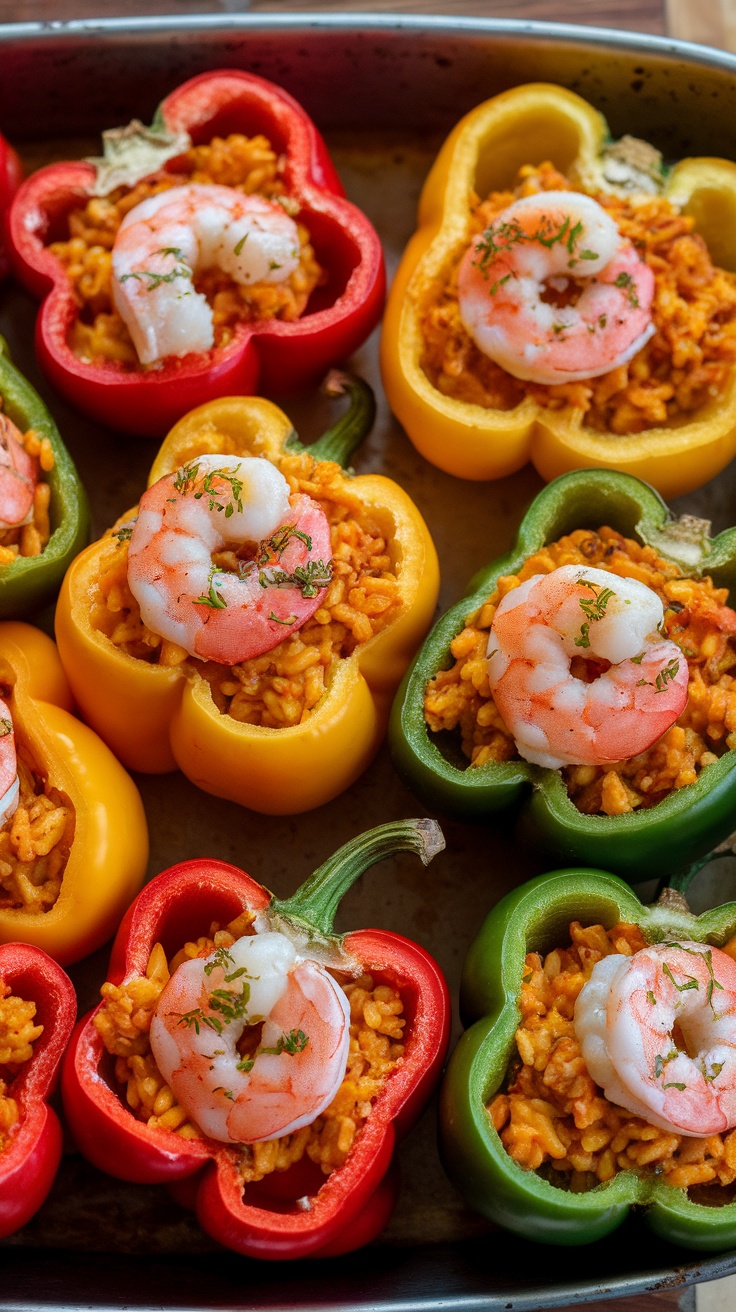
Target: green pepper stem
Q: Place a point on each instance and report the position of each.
(315, 904)
(344, 437)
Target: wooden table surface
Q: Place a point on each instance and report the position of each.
(707, 21)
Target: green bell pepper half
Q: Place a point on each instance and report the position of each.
(30, 582)
(640, 844)
(535, 918)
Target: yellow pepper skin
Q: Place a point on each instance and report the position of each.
(528, 125)
(157, 718)
(109, 852)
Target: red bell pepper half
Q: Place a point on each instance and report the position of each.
(10, 179)
(30, 1159)
(349, 1207)
(272, 355)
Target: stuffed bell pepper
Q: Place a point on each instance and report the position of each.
(567, 300)
(599, 1072)
(38, 1008)
(44, 517)
(251, 620)
(241, 1042)
(73, 833)
(209, 254)
(10, 177)
(594, 667)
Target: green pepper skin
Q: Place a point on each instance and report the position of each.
(536, 917)
(691, 820)
(32, 581)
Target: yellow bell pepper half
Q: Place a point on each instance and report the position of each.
(156, 718)
(109, 851)
(529, 125)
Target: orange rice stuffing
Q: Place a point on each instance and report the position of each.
(30, 539)
(687, 361)
(246, 164)
(35, 843)
(554, 1119)
(18, 1033)
(696, 618)
(281, 687)
(376, 1048)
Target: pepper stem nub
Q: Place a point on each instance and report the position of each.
(345, 436)
(315, 904)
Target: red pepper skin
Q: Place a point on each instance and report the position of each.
(30, 1159)
(353, 1203)
(269, 356)
(10, 180)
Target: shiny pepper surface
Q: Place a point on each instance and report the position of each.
(156, 718)
(30, 582)
(272, 354)
(680, 828)
(299, 1212)
(109, 850)
(534, 918)
(528, 125)
(10, 176)
(31, 1156)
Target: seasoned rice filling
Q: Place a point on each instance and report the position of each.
(18, 1033)
(35, 843)
(376, 1048)
(554, 1119)
(696, 618)
(246, 164)
(30, 539)
(283, 686)
(687, 361)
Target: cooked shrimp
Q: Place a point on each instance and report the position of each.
(9, 784)
(557, 719)
(18, 477)
(658, 1034)
(166, 240)
(212, 505)
(297, 1065)
(553, 293)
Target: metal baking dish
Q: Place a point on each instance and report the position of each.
(384, 90)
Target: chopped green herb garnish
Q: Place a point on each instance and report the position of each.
(156, 279)
(692, 983)
(214, 599)
(292, 1043)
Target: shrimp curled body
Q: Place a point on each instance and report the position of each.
(625, 1017)
(300, 1061)
(557, 719)
(168, 238)
(9, 782)
(18, 477)
(215, 504)
(556, 246)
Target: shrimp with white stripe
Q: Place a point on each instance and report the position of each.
(298, 1020)
(18, 477)
(553, 293)
(9, 782)
(615, 623)
(167, 239)
(658, 1034)
(235, 504)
